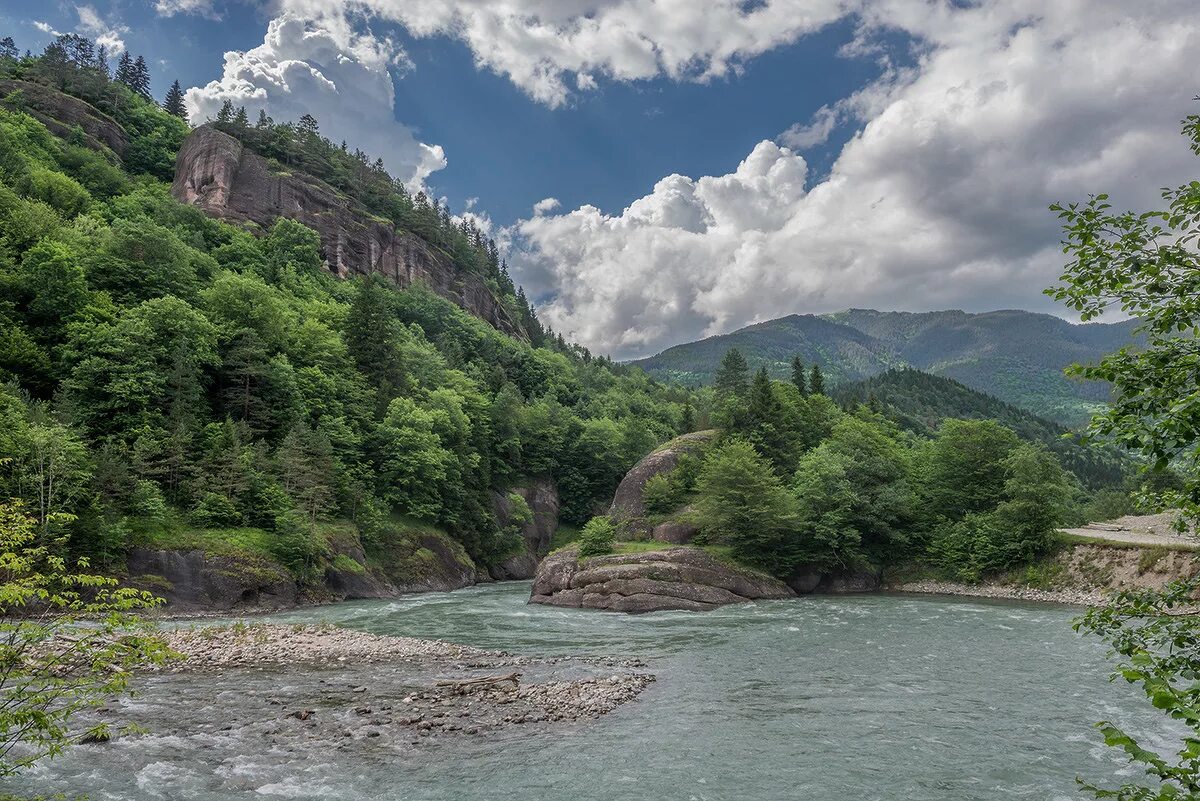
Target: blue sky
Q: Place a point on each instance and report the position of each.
(719, 162)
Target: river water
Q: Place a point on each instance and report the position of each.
(824, 698)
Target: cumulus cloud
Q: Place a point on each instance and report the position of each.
(108, 35)
(546, 205)
(46, 27)
(325, 68)
(939, 200)
(813, 133)
(541, 44)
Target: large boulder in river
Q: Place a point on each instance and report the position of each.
(541, 496)
(628, 508)
(673, 578)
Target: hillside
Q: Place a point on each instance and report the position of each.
(1016, 356)
(920, 401)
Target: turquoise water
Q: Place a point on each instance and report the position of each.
(857, 697)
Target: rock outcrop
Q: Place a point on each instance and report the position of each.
(217, 174)
(675, 578)
(195, 580)
(541, 496)
(61, 113)
(628, 508)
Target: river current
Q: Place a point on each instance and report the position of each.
(884, 697)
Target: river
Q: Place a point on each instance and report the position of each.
(825, 698)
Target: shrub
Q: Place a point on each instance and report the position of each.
(597, 537)
(215, 511)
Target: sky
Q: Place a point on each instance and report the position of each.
(662, 170)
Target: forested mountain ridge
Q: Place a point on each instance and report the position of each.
(173, 381)
(1016, 356)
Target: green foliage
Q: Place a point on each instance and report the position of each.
(69, 640)
(741, 503)
(666, 492)
(215, 511)
(597, 537)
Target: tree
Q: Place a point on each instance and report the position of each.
(816, 381)
(306, 464)
(798, 376)
(742, 503)
(140, 78)
(963, 468)
(102, 62)
(8, 48)
(125, 72)
(69, 640)
(733, 375)
(225, 114)
(1146, 265)
(173, 103)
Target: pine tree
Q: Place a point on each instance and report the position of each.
(308, 126)
(141, 78)
(240, 120)
(8, 48)
(733, 376)
(816, 381)
(225, 115)
(798, 376)
(102, 61)
(124, 74)
(264, 121)
(173, 104)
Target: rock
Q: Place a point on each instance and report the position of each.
(861, 579)
(352, 584)
(676, 578)
(805, 580)
(194, 580)
(217, 174)
(675, 532)
(541, 495)
(447, 567)
(61, 113)
(628, 506)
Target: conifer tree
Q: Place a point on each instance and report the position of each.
(141, 78)
(798, 376)
(816, 381)
(102, 61)
(225, 115)
(8, 48)
(173, 104)
(124, 74)
(733, 376)
(240, 120)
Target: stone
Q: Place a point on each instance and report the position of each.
(541, 495)
(860, 579)
(217, 174)
(681, 578)
(675, 532)
(61, 113)
(194, 580)
(805, 580)
(627, 506)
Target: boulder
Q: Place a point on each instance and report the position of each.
(347, 576)
(674, 578)
(859, 579)
(675, 532)
(195, 580)
(62, 113)
(805, 580)
(541, 495)
(216, 173)
(628, 507)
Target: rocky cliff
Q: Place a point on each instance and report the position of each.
(216, 173)
(541, 495)
(62, 113)
(628, 509)
(674, 578)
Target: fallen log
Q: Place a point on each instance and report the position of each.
(482, 683)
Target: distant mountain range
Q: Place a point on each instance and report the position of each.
(1017, 356)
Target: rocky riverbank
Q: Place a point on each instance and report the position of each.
(999, 591)
(348, 685)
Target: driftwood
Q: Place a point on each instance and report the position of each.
(482, 683)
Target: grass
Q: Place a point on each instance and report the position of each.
(173, 533)
(642, 546)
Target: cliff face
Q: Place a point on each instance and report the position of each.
(61, 113)
(217, 174)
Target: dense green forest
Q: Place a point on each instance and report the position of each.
(795, 481)
(167, 372)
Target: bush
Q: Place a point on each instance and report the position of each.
(597, 537)
(215, 511)
(147, 501)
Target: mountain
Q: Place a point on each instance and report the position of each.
(1017, 356)
(919, 402)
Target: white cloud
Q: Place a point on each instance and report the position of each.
(326, 69)
(815, 132)
(106, 34)
(540, 44)
(46, 27)
(546, 205)
(938, 201)
(199, 8)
